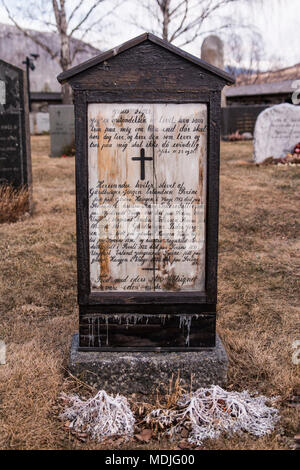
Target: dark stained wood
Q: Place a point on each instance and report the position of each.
(212, 221)
(147, 308)
(146, 70)
(150, 96)
(82, 223)
(173, 73)
(102, 58)
(154, 331)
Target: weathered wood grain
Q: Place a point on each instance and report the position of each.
(180, 193)
(170, 255)
(120, 261)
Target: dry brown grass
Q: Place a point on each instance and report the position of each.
(258, 313)
(13, 203)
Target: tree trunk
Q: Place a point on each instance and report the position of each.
(65, 56)
(165, 7)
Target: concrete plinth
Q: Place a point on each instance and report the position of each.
(142, 372)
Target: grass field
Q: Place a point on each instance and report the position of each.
(258, 309)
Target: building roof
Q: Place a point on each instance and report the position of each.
(45, 96)
(63, 77)
(279, 75)
(273, 88)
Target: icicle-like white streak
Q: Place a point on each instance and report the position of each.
(91, 332)
(101, 416)
(106, 319)
(185, 321)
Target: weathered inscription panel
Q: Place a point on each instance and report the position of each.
(147, 193)
(15, 161)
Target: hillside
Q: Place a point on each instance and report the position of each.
(14, 46)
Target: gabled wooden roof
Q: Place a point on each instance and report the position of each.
(65, 76)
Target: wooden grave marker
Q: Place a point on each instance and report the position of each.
(147, 126)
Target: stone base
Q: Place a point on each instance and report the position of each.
(142, 372)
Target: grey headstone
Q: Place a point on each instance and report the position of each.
(142, 372)
(62, 128)
(15, 157)
(277, 131)
(212, 51)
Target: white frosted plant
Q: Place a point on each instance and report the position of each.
(101, 416)
(209, 412)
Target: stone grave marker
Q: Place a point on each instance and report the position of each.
(39, 123)
(147, 171)
(15, 156)
(62, 130)
(277, 131)
(212, 51)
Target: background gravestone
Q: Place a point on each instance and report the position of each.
(277, 131)
(62, 128)
(15, 157)
(39, 123)
(212, 51)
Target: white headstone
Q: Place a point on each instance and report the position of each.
(39, 123)
(277, 131)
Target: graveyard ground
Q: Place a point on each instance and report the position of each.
(258, 318)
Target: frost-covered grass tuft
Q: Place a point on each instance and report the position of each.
(209, 412)
(101, 416)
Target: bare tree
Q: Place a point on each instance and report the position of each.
(184, 20)
(65, 17)
(247, 60)
(244, 56)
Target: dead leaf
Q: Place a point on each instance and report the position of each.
(184, 432)
(185, 445)
(144, 436)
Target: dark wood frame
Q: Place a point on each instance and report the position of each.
(185, 302)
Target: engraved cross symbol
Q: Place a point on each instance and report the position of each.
(142, 159)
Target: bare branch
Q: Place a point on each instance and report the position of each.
(86, 16)
(184, 16)
(56, 13)
(73, 13)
